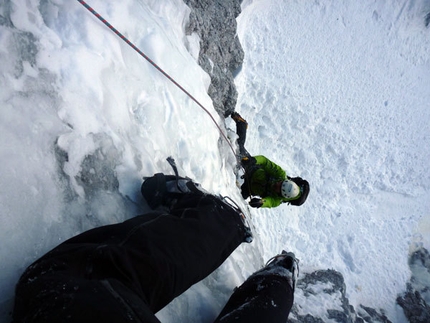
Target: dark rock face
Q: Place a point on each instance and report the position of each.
(369, 314)
(415, 301)
(331, 287)
(221, 54)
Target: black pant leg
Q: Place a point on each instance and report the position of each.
(73, 282)
(263, 297)
(185, 246)
(140, 265)
(244, 189)
(241, 128)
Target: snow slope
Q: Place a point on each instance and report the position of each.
(339, 93)
(335, 93)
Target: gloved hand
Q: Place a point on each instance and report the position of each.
(256, 202)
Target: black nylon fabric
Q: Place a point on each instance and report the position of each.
(241, 128)
(127, 272)
(263, 297)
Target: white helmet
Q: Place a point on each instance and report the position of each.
(289, 189)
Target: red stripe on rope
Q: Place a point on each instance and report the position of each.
(95, 13)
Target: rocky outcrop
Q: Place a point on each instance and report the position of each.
(221, 54)
(329, 286)
(415, 301)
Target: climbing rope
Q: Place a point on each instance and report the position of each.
(90, 9)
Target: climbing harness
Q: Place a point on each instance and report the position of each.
(90, 9)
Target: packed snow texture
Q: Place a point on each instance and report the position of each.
(337, 93)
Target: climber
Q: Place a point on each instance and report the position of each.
(265, 182)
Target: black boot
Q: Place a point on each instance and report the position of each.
(164, 190)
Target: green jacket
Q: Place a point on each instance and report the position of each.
(263, 179)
